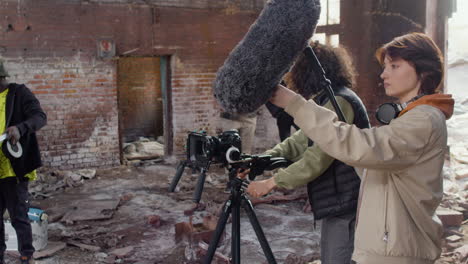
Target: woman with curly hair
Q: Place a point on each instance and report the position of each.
(333, 186)
(401, 162)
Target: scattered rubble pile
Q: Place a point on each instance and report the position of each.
(51, 182)
(144, 149)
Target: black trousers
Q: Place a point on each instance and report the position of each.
(14, 197)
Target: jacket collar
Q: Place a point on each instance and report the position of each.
(443, 102)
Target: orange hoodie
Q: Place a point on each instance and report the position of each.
(444, 102)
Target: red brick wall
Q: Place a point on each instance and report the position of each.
(51, 47)
(82, 121)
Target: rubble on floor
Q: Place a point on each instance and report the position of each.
(127, 215)
(143, 149)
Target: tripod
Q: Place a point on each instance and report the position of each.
(201, 178)
(236, 200)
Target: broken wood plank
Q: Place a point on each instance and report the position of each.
(92, 210)
(84, 246)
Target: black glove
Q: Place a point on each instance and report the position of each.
(13, 134)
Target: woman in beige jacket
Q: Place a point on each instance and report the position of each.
(400, 163)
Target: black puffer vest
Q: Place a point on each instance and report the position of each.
(336, 191)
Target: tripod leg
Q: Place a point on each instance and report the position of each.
(247, 205)
(218, 232)
(235, 239)
(178, 175)
(199, 188)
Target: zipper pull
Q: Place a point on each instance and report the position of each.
(385, 237)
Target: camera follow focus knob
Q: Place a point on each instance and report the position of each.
(233, 155)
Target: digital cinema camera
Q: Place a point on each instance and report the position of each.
(225, 149)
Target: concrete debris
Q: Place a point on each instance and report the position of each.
(462, 253)
(111, 259)
(454, 238)
(50, 182)
(218, 257)
(51, 249)
(461, 174)
(465, 186)
(197, 232)
(450, 232)
(454, 245)
(182, 230)
(449, 217)
(86, 173)
(143, 149)
(122, 252)
(154, 220)
(451, 187)
(74, 178)
(101, 256)
(84, 246)
(295, 259)
(460, 154)
(91, 210)
(210, 222)
(177, 254)
(195, 207)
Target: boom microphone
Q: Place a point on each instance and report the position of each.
(256, 65)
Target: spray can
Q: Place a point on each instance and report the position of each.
(36, 214)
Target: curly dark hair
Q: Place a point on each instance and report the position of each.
(336, 63)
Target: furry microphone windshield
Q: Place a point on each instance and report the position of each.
(256, 65)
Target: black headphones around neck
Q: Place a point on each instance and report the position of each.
(389, 111)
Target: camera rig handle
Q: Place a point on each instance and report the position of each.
(259, 163)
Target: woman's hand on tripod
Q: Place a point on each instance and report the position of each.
(260, 188)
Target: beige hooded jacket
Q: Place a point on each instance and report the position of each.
(401, 170)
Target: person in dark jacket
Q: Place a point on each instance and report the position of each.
(21, 116)
(333, 186)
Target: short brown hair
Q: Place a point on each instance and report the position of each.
(336, 63)
(419, 50)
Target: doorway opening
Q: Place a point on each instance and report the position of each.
(145, 120)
